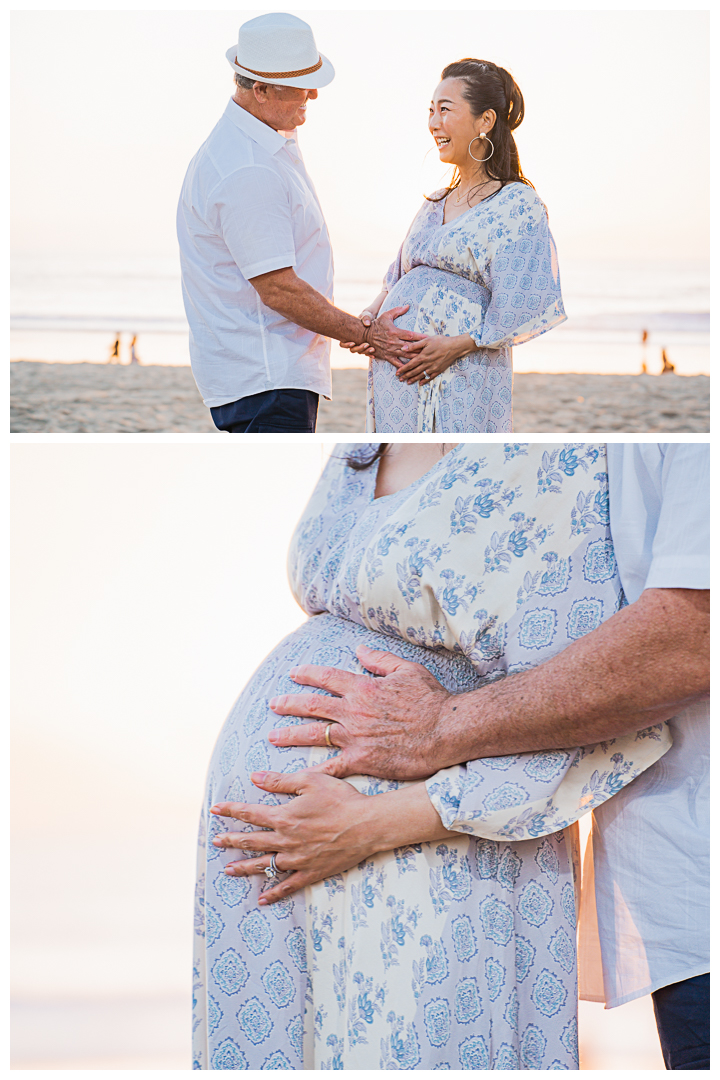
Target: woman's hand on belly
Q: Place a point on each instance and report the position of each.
(314, 835)
(328, 828)
(431, 357)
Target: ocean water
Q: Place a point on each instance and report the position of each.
(68, 310)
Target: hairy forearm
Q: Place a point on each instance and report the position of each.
(640, 667)
(295, 300)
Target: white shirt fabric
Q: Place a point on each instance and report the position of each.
(247, 207)
(645, 923)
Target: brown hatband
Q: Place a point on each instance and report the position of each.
(281, 74)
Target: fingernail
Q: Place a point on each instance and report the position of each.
(275, 702)
(272, 737)
(258, 777)
(217, 842)
(294, 671)
(229, 870)
(262, 902)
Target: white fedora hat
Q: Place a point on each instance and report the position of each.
(280, 49)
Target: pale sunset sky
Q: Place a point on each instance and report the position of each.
(615, 137)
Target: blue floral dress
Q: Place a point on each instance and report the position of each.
(491, 273)
(451, 955)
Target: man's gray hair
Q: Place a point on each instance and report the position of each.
(243, 83)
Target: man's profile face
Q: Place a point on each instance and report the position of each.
(283, 107)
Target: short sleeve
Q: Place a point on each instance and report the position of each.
(522, 274)
(660, 515)
(681, 545)
(255, 220)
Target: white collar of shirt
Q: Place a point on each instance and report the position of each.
(266, 137)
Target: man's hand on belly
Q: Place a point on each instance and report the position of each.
(387, 726)
(641, 666)
(387, 339)
(292, 297)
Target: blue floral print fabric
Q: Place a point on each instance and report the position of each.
(451, 955)
(491, 273)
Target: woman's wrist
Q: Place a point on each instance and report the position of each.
(462, 345)
(453, 349)
(397, 818)
(373, 309)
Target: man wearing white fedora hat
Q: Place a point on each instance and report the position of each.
(254, 247)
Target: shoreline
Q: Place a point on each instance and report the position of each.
(95, 398)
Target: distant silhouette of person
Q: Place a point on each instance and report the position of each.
(134, 358)
(668, 367)
(114, 357)
(644, 340)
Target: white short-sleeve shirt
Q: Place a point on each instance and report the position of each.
(247, 207)
(650, 842)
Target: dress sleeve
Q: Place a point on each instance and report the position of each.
(529, 795)
(522, 273)
(394, 271)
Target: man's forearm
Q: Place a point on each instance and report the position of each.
(295, 300)
(640, 667)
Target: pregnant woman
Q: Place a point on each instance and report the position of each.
(478, 269)
(446, 940)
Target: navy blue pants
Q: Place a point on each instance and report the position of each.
(682, 1012)
(272, 410)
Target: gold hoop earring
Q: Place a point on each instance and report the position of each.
(480, 160)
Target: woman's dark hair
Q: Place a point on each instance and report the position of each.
(488, 86)
(365, 457)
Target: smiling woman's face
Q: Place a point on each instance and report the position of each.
(453, 125)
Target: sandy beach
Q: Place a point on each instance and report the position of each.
(115, 398)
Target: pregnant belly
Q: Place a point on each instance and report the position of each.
(242, 747)
(440, 302)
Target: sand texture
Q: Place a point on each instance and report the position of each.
(115, 398)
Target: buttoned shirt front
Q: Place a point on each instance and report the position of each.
(646, 879)
(247, 207)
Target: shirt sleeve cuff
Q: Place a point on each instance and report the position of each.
(275, 262)
(678, 573)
